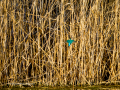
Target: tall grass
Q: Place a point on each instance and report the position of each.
(33, 48)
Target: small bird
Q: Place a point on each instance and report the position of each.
(70, 42)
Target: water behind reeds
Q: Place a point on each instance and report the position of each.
(33, 48)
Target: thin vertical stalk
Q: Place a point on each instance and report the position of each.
(61, 39)
(14, 31)
(4, 39)
(101, 41)
(117, 32)
(49, 45)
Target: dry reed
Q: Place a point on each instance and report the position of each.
(33, 48)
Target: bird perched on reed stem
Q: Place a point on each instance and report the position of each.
(70, 42)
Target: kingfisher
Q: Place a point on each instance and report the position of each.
(70, 42)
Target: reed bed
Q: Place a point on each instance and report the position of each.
(33, 48)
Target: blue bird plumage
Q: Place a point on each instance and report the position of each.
(70, 42)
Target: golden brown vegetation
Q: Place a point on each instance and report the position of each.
(33, 46)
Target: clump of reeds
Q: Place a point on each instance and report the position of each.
(33, 46)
